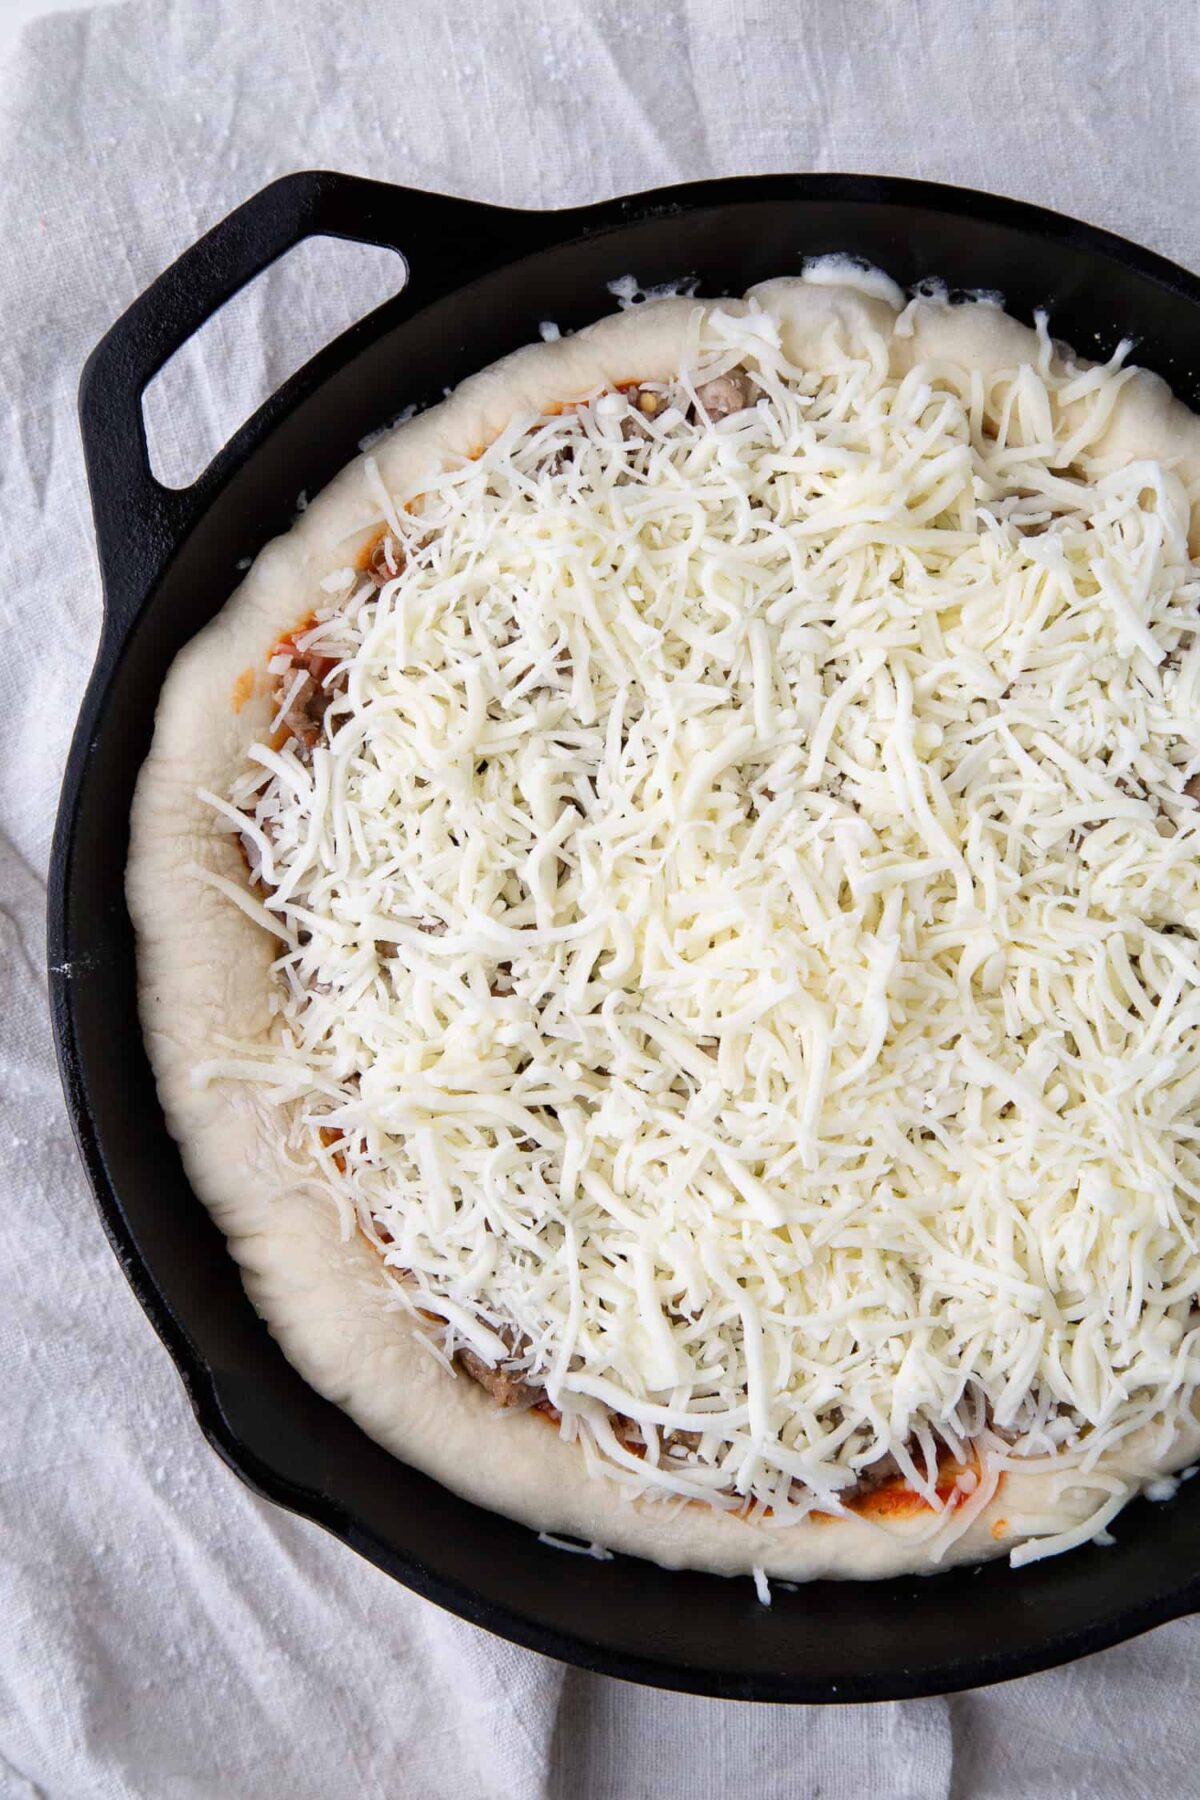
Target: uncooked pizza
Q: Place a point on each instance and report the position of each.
(666, 912)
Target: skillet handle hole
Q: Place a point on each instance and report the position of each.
(242, 354)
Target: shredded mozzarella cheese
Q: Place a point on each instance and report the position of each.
(740, 927)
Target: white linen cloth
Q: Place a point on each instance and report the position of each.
(163, 1632)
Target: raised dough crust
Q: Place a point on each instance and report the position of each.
(204, 967)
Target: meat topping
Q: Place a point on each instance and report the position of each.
(725, 395)
(507, 1387)
(647, 403)
(306, 701)
(385, 561)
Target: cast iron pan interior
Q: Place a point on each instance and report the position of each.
(480, 281)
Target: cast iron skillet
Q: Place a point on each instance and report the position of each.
(480, 279)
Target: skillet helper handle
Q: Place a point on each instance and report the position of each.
(139, 522)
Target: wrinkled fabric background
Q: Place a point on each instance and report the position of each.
(162, 1632)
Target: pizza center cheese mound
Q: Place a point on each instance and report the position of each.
(722, 851)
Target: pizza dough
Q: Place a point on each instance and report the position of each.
(204, 970)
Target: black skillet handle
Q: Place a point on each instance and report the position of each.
(139, 522)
